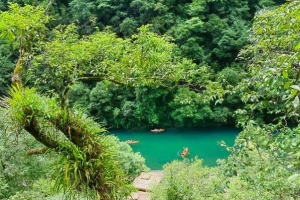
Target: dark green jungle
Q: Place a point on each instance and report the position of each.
(71, 70)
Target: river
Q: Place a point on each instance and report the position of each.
(161, 148)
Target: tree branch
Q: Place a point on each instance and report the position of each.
(49, 5)
(36, 151)
(96, 79)
(33, 128)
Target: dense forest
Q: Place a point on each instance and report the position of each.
(209, 33)
(70, 69)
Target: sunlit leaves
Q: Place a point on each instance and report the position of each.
(273, 61)
(190, 108)
(26, 25)
(271, 86)
(296, 102)
(144, 60)
(186, 180)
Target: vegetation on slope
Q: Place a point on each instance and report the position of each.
(264, 162)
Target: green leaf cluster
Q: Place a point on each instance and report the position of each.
(272, 75)
(26, 25)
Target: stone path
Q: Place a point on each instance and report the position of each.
(139, 196)
(143, 183)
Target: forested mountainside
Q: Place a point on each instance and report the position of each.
(209, 33)
(64, 72)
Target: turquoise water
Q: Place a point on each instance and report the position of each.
(161, 148)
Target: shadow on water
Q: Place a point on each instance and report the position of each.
(161, 148)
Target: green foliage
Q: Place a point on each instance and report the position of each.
(86, 165)
(265, 158)
(106, 104)
(4, 188)
(29, 169)
(81, 10)
(147, 107)
(187, 21)
(131, 163)
(26, 25)
(190, 108)
(126, 107)
(273, 59)
(151, 106)
(6, 66)
(42, 188)
(79, 95)
(98, 173)
(230, 76)
(19, 171)
(245, 175)
(211, 32)
(204, 31)
(187, 180)
(128, 27)
(145, 59)
(221, 114)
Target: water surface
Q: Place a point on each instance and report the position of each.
(161, 148)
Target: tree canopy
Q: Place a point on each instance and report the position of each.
(61, 68)
(273, 63)
(264, 161)
(87, 157)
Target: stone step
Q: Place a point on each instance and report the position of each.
(146, 179)
(139, 196)
(143, 183)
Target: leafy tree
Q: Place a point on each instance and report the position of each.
(264, 161)
(256, 169)
(264, 158)
(256, 5)
(270, 89)
(210, 32)
(79, 95)
(131, 163)
(4, 188)
(273, 57)
(42, 188)
(186, 180)
(128, 27)
(87, 158)
(26, 26)
(115, 106)
(127, 107)
(19, 171)
(152, 107)
(183, 20)
(7, 66)
(191, 109)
